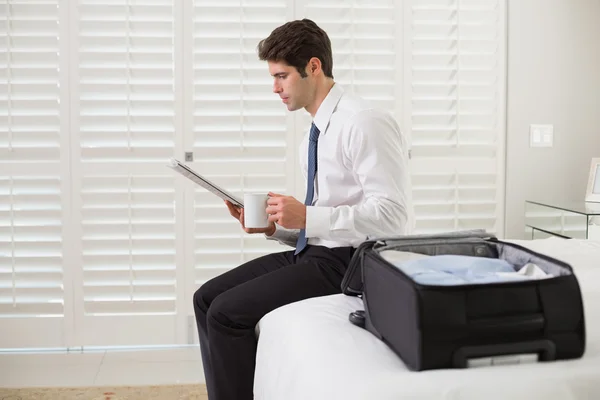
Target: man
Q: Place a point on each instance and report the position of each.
(355, 161)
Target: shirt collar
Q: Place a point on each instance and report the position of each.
(327, 107)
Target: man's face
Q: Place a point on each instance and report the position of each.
(295, 92)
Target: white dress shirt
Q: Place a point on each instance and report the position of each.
(362, 186)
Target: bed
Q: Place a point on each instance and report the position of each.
(309, 350)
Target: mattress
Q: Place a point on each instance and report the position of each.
(309, 350)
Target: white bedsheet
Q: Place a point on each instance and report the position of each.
(309, 350)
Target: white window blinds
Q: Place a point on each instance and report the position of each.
(455, 106)
(242, 136)
(31, 185)
(125, 133)
(107, 245)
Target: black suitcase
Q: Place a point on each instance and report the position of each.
(434, 327)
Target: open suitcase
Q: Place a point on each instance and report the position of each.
(434, 326)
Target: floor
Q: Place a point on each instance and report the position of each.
(102, 368)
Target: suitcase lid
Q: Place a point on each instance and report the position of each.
(465, 234)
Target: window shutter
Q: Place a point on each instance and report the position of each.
(456, 108)
(125, 133)
(242, 134)
(101, 243)
(31, 185)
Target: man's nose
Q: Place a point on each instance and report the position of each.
(276, 88)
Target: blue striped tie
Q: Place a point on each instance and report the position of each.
(310, 184)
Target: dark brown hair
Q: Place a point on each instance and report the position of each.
(295, 43)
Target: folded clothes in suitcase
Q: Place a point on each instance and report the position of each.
(456, 325)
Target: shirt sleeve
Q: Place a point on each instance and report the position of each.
(378, 155)
(284, 236)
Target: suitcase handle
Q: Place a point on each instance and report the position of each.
(545, 349)
(520, 323)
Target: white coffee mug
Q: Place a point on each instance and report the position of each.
(255, 210)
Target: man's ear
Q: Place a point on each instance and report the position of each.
(314, 65)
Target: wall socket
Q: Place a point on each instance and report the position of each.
(541, 135)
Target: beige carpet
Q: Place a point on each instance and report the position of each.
(162, 392)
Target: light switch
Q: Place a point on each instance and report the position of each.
(541, 135)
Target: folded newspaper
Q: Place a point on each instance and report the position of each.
(205, 183)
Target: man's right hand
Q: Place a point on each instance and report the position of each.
(238, 213)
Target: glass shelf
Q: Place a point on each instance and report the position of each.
(566, 219)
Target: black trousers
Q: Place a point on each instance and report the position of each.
(229, 306)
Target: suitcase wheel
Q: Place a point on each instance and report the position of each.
(357, 318)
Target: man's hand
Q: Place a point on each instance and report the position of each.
(286, 211)
(238, 213)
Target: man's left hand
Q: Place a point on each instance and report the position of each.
(286, 211)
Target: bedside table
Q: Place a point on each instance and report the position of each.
(566, 219)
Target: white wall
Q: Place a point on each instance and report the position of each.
(553, 78)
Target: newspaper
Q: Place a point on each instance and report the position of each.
(205, 183)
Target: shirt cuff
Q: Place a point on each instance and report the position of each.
(276, 235)
(318, 221)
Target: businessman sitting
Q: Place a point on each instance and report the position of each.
(355, 161)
